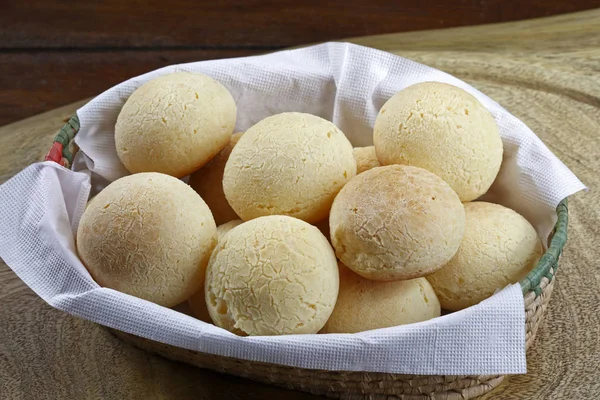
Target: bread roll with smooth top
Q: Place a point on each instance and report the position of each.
(288, 164)
(174, 124)
(499, 248)
(208, 182)
(396, 222)
(272, 275)
(366, 159)
(149, 235)
(364, 304)
(443, 129)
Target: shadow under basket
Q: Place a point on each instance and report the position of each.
(537, 289)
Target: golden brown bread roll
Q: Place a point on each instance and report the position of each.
(366, 159)
(364, 304)
(272, 275)
(208, 182)
(174, 124)
(288, 164)
(396, 222)
(149, 235)
(499, 247)
(443, 129)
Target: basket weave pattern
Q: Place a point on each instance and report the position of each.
(537, 289)
(353, 385)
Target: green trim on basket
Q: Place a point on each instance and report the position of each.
(549, 260)
(545, 267)
(66, 135)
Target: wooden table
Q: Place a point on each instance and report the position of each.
(546, 72)
(55, 52)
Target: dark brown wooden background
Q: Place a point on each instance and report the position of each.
(53, 52)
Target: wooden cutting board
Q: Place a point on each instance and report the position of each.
(546, 72)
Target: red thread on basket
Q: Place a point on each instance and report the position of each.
(55, 154)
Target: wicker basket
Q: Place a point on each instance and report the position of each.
(537, 289)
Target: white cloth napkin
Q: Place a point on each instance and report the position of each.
(347, 84)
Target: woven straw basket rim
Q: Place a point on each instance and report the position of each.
(536, 286)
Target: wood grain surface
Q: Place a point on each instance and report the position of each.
(69, 76)
(546, 72)
(56, 52)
